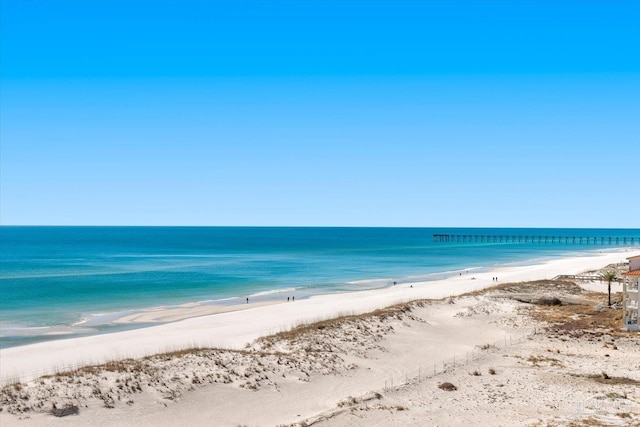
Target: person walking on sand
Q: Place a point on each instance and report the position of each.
(247, 300)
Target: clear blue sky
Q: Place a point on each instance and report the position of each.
(354, 113)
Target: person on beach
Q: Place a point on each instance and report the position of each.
(293, 298)
(287, 299)
(247, 300)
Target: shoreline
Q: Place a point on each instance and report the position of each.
(236, 328)
(104, 316)
(167, 312)
(203, 308)
(102, 322)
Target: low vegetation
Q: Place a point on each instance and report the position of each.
(577, 321)
(447, 387)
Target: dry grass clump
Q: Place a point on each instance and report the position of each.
(475, 373)
(353, 401)
(584, 422)
(538, 360)
(492, 371)
(576, 321)
(536, 286)
(485, 346)
(349, 401)
(398, 312)
(65, 410)
(447, 387)
(590, 421)
(348, 335)
(604, 378)
(548, 301)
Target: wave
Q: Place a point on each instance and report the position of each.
(40, 331)
(413, 278)
(121, 271)
(208, 302)
(101, 319)
(440, 274)
(166, 256)
(372, 282)
(272, 291)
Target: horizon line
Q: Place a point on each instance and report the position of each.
(308, 226)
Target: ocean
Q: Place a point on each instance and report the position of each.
(57, 282)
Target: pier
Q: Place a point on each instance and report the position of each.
(566, 240)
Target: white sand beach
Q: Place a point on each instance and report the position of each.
(380, 369)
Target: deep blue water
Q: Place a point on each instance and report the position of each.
(78, 276)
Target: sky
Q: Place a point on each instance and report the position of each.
(320, 113)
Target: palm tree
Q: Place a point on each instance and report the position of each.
(609, 276)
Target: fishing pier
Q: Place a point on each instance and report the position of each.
(575, 240)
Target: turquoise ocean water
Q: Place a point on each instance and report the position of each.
(62, 281)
